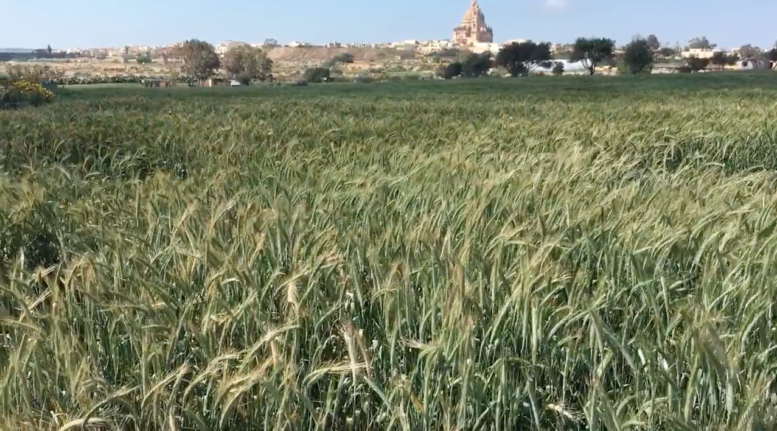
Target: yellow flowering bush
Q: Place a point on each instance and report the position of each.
(19, 92)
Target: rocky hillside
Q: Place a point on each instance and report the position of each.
(319, 54)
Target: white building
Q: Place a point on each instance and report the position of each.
(481, 47)
(753, 64)
(223, 47)
(699, 52)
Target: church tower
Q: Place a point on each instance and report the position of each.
(473, 27)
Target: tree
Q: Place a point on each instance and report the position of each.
(476, 65)
(558, 68)
(521, 58)
(590, 51)
(447, 53)
(48, 50)
(772, 54)
(270, 43)
(749, 51)
(667, 52)
(652, 43)
(695, 64)
(638, 57)
(244, 63)
(722, 59)
(316, 74)
(343, 58)
(143, 59)
(199, 59)
(450, 71)
(700, 43)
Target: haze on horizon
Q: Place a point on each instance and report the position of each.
(88, 23)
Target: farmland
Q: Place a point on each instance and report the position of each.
(540, 253)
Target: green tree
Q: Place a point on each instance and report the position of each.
(772, 54)
(700, 43)
(450, 71)
(316, 74)
(244, 63)
(476, 65)
(749, 51)
(445, 53)
(667, 52)
(638, 57)
(722, 59)
(199, 59)
(653, 43)
(558, 68)
(521, 58)
(343, 58)
(591, 51)
(695, 64)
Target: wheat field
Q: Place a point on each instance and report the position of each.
(545, 253)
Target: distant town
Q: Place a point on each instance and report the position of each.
(473, 33)
(405, 59)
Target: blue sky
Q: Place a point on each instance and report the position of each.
(93, 23)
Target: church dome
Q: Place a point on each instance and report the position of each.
(474, 15)
(473, 28)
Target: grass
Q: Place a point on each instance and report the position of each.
(549, 253)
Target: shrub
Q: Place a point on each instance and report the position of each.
(476, 65)
(450, 71)
(558, 68)
(363, 79)
(316, 75)
(14, 93)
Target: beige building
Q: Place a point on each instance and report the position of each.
(698, 53)
(473, 28)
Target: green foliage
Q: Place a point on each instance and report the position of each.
(591, 51)
(667, 52)
(521, 58)
(749, 51)
(559, 254)
(200, 59)
(15, 93)
(558, 68)
(652, 43)
(638, 57)
(317, 74)
(445, 53)
(700, 43)
(695, 64)
(245, 63)
(450, 71)
(143, 59)
(722, 59)
(476, 65)
(771, 54)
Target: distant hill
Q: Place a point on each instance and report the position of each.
(320, 54)
(16, 50)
